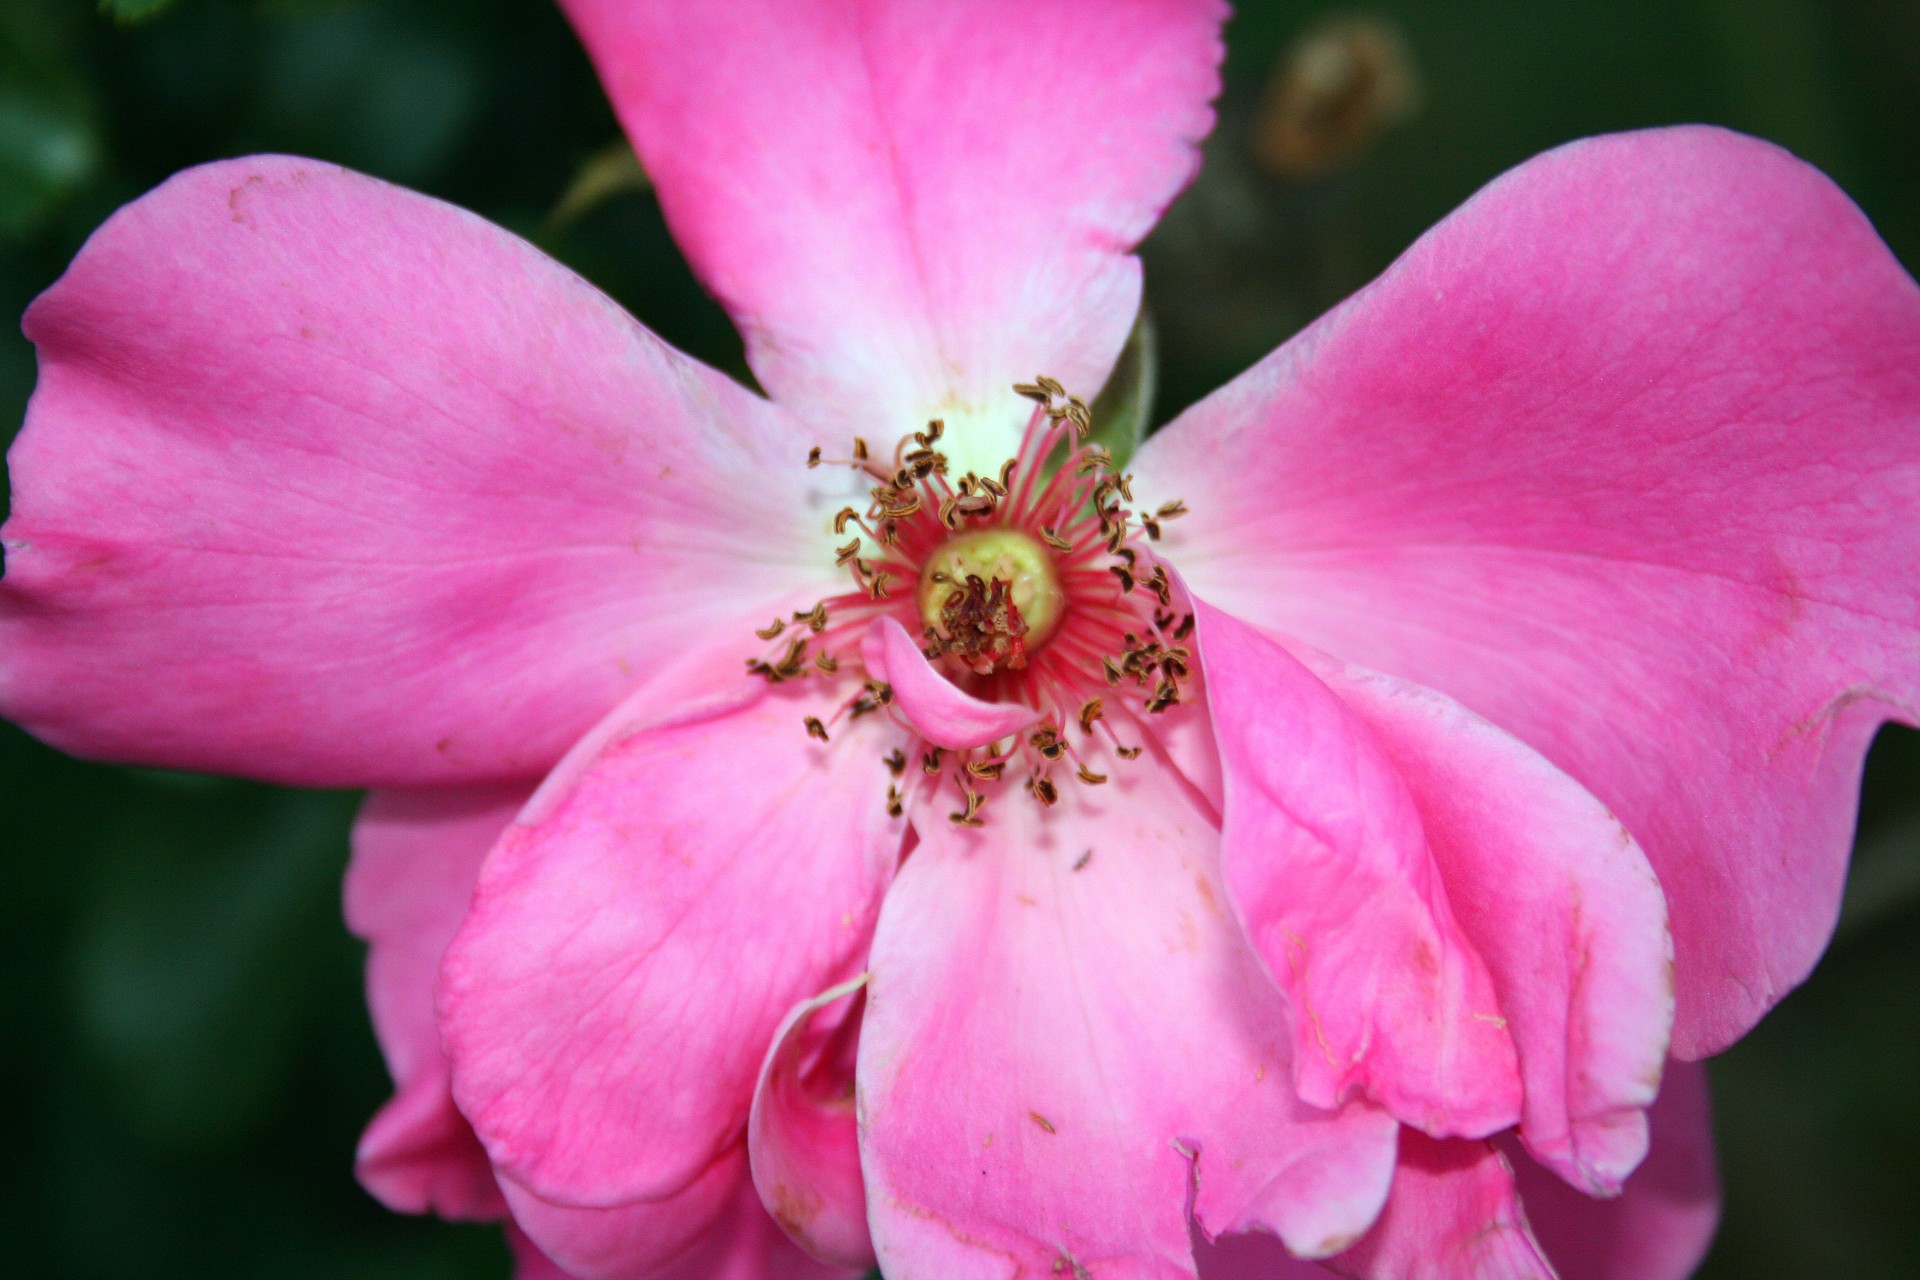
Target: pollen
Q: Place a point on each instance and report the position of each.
(1036, 585)
(988, 597)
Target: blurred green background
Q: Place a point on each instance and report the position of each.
(188, 1062)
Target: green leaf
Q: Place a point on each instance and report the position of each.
(1122, 409)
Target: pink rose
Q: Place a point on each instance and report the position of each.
(1326, 830)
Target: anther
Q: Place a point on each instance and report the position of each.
(771, 630)
(815, 729)
(970, 816)
(813, 457)
(1089, 777)
(896, 762)
(1089, 712)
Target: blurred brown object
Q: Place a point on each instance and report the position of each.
(1339, 86)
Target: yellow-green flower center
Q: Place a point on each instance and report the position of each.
(991, 597)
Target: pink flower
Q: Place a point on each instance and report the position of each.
(1231, 846)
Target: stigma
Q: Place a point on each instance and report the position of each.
(987, 595)
(1037, 586)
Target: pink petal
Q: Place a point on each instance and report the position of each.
(1452, 1215)
(1066, 1035)
(715, 1230)
(933, 706)
(801, 1136)
(1625, 456)
(1660, 1227)
(528, 1262)
(1252, 1256)
(330, 483)
(909, 207)
(1586, 984)
(639, 1238)
(1329, 869)
(416, 856)
(632, 948)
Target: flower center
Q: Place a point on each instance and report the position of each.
(1037, 586)
(991, 597)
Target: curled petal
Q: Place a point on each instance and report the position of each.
(638, 1239)
(1625, 457)
(528, 1262)
(936, 709)
(1556, 897)
(1452, 1215)
(633, 944)
(1067, 1036)
(1329, 870)
(1659, 1227)
(909, 207)
(416, 856)
(713, 1230)
(801, 1134)
(330, 483)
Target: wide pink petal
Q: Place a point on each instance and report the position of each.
(908, 207)
(1452, 1215)
(1330, 871)
(937, 710)
(801, 1135)
(1586, 982)
(1660, 1226)
(635, 942)
(1625, 456)
(1066, 1036)
(416, 856)
(331, 483)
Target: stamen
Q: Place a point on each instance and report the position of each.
(970, 816)
(1036, 584)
